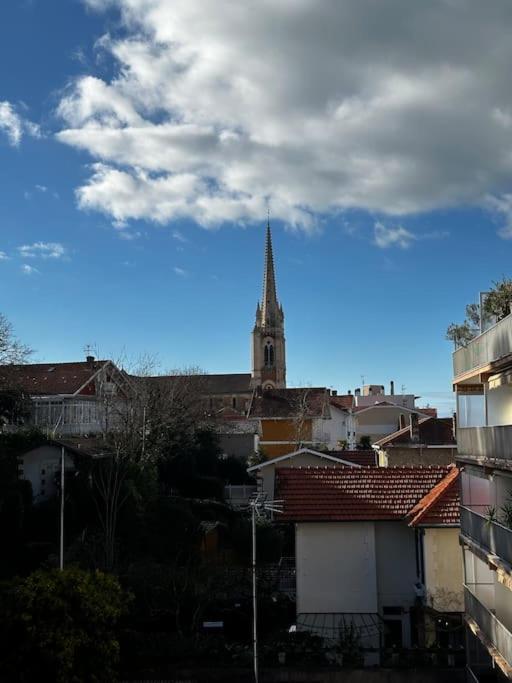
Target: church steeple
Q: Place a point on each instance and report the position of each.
(270, 306)
(268, 343)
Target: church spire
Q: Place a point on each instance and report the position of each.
(270, 307)
(268, 342)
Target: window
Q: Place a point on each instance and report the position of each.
(269, 354)
(234, 402)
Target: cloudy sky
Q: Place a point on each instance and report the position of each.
(141, 142)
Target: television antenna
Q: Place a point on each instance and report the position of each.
(259, 507)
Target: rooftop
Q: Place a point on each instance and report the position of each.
(287, 403)
(42, 379)
(433, 431)
(316, 494)
(441, 506)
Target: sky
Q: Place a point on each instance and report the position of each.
(142, 141)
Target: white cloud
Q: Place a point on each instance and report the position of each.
(179, 237)
(29, 270)
(3, 256)
(41, 188)
(217, 108)
(44, 250)
(392, 237)
(180, 271)
(14, 125)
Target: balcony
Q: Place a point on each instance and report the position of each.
(497, 635)
(488, 347)
(485, 442)
(493, 537)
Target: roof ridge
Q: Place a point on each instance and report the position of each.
(433, 496)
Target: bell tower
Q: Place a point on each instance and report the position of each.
(268, 343)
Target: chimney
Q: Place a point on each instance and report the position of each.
(334, 392)
(357, 392)
(350, 392)
(392, 388)
(414, 427)
(401, 421)
(90, 361)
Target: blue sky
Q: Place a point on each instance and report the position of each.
(141, 141)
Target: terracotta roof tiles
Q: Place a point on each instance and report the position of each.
(350, 494)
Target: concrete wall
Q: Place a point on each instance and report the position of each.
(396, 563)
(443, 570)
(379, 422)
(336, 567)
(240, 446)
(401, 455)
(40, 466)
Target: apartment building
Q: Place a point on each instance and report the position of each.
(483, 384)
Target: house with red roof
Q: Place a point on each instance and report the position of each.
(364, 552)
(68, 398)
(425, 441)
(265, 471)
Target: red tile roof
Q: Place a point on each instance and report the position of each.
(41, 379)
(315, 494)
(432, 431)
(365, 458)
(441, 506)
(344, 402)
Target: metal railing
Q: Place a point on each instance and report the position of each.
(487, 442)
(490, 346)
(490, 535)
(497, 634)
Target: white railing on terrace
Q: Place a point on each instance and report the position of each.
(490, 346)
(485, 442)
(491, 536)
(494, 630)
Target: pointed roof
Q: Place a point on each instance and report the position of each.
(440, 507)
(269, 304)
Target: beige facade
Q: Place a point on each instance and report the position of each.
(443, 569)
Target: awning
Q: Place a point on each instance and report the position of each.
(331, 625)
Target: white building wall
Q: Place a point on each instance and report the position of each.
(499, 406)
(41, 466)
(336, 567)
(332, 430)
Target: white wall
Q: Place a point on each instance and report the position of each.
(331, 431)
(499, 406)
(40, 466)
(336, 567)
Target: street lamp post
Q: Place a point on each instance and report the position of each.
(259, 506)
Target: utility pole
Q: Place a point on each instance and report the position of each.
(62, 493)
(259, 505)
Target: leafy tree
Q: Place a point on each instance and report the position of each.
(460, 335)
(11, 349)
(60, 626)
(499, 299)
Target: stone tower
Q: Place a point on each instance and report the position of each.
(268, 343)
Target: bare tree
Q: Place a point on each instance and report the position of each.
(141, 419)
(12, 351)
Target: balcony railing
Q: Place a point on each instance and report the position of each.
(486, 442)
(490, 346)
(491, 536)
(492, 628)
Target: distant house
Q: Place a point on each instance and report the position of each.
(360, 559)
(289, 419)
(428, 441)
(69, 398)
(42, 465)
(381, 418)
(265, 472)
